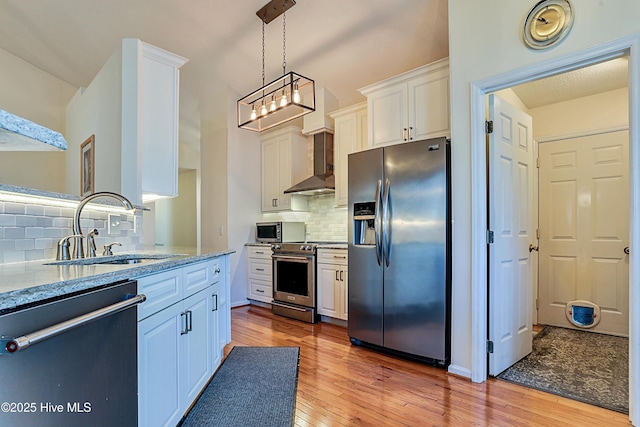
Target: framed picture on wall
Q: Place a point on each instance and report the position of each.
(87, 156)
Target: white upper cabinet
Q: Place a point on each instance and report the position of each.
(150, 79)
(409, 107)
(284, 163)
(159, 98)
(350, 136)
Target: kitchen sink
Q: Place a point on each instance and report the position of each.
(123, 261)
(115, 259)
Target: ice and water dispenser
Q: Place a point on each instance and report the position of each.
(364, 218)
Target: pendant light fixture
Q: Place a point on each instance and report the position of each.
(286, 98)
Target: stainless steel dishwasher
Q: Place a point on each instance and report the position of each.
(72, 361)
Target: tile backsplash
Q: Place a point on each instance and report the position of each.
(30, 231)
(324, 221)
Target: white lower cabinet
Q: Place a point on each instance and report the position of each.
(179, 345)
(259, 268)
(332, 289)
(214, 318)
(159, 358)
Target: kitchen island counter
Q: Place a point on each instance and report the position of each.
(24, 283)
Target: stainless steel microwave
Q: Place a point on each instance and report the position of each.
(280, 231)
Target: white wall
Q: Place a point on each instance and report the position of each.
(97, 110)
(40, 97)
(596, 112)
(175, 218)
(478, 51)
(230, 185)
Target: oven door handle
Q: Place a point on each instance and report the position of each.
(303, 258)
(13, 345)
(290, 306)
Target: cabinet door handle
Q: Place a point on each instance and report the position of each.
(410, 129)
(190, 320)
(183, 320)
(260, 290)
(341, 279)
(340, 257)
(337, 276)
(404, 134)
(259, 269)
(215, 306)
(260, 252)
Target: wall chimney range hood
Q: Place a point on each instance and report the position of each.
(19, 134)
(323, 181)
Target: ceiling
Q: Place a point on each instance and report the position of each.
(591, 80)
(342, 44)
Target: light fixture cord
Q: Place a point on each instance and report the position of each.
(284, 38)
(263, 52)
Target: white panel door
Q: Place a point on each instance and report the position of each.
(584, 229)
(511, 220)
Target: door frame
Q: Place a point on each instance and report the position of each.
(628, 46)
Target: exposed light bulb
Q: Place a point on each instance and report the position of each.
(253, 112)
(273, 105)
(296, 95)
(263, 110)
(283, 100)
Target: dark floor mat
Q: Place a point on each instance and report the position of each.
(584, 366)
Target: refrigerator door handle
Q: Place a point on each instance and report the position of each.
(378, 222)
(386, 223)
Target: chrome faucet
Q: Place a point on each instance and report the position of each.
(77, 231)
(91, 242)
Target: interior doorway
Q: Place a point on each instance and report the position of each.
(588, 173)
(631, 200)
(479, 286)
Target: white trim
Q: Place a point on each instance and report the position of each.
(459, 370)
(634, 231)
(435, 70)
(582, 134)
(478, 89)
(479, 224)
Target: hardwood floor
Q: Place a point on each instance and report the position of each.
(340, 384)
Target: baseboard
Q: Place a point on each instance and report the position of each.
(460, 371)
(239, 303)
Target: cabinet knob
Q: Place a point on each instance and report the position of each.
(217, 270)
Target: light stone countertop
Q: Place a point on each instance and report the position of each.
(28, 282)
(324, 245)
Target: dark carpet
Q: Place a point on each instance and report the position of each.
(255, 386)
(584, 366)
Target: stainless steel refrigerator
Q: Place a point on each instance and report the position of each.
(400, 249)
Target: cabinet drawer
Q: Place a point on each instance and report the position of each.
(260, 269)
(197, 277)
(161, 290)
(260, 290)
(260, 252)
(332, 256)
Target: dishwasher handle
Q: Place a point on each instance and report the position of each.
(13, 345)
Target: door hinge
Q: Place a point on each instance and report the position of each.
(538, 233)
(489, 237)
(538, 162)
(488, 126)
(489, 346)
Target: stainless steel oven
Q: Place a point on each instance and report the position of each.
(294, 280)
